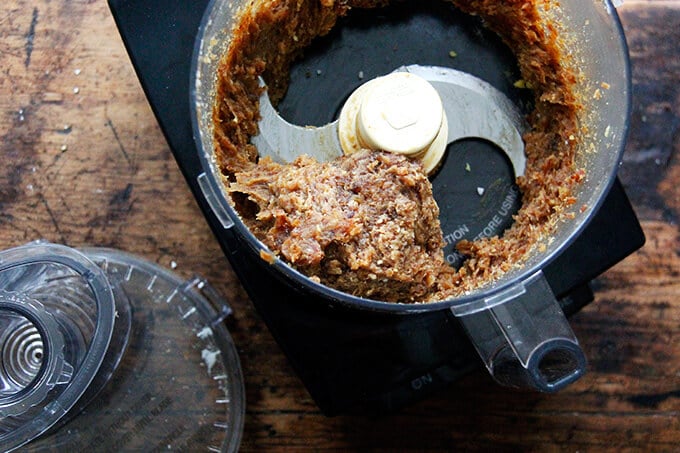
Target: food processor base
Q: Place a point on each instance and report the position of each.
(374, 362)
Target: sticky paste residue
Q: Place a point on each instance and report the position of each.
(205, 333)
(209, 358)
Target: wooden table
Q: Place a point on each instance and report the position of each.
(84, 163)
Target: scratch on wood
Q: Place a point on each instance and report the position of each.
(122, 197)
(120, 143)
(30, 36)
(652, 401)
(52, 217)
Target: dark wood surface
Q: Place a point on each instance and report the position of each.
(84, 163)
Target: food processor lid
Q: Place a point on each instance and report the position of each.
(56, 322)
(141, 354)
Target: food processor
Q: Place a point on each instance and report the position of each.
(361, 355)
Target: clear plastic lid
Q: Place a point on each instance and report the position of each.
(56, 322)
(170, 379)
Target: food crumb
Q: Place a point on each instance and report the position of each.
(63, 148)
(480, 191)
(76, 90)
(173, 265)
(598, 94)
(361, 75)
(467, 167)
(77, 71)
(269, 257)
(605, 85)
(453, 54)
(523, 84)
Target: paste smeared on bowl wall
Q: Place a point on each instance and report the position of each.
(367, 224)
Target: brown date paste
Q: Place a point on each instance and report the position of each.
(367, 224)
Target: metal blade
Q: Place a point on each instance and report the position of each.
(284, 142)
(474, 109)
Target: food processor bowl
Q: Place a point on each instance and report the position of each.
(515, 322)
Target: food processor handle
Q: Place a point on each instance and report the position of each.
(524, 338)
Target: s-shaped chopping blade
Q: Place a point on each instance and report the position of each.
(472, 109)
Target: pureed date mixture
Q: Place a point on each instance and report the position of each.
(367, 224)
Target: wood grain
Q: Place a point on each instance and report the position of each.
(84, 163)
